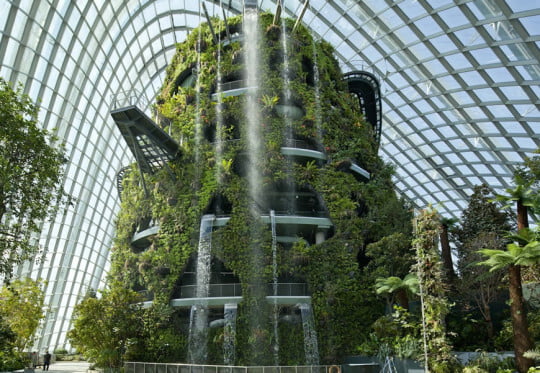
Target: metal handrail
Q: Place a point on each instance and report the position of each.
(128, 98)
(142, 367)
(284, 289)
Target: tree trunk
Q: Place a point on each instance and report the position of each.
(522, 215)
(402, 298)
(489, 321)
(483, 304)
(446, 253)
(522, 339)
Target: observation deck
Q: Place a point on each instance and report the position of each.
(234, 88)
(151, 146)
(303, 150)
(366, 87)
(221, 294)
(141, 240)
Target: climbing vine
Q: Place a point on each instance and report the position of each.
(435, 305)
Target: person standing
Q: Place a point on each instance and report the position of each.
(35, 359)
(46, 360)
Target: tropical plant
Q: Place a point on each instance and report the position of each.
(395, 334)
(21, 306)
(522, 252)
(483, 226)
(104, 328)
(525, 251)
(433, 290)
(399, 288)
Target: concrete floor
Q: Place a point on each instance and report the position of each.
(67, 367)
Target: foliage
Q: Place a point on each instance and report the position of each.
(30, 177)
(390, 256)
(435, 305)
(21, 305)
(483, 225)
(394, 286)
(397, 334)
(488, 363)
(10, 358)
(523, 252)
(104, 327)
(211, 177)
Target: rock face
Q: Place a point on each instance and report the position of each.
(273, 183)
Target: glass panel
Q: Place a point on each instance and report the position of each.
(500, 75)
(469, 37)
(406, 35)
(458, 61)
(443, 44)
(453, 17)
(427, 26)
(521, 6)
(486, 94)
(472, 78)
(390, 18)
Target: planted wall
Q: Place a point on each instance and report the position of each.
(303, 103)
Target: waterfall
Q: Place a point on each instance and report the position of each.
(258, 321)
(311, 347)
(219, 139)
(288, 113)
(198, 124)
(317, 84)
(252, 107)
(275, 288)
(285, 74)
(198, 325)
(229, 334)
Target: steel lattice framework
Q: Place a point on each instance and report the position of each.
(459, 83)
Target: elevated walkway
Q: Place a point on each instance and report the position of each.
(234, 88)
(141, 240)
(321, 222)
(366, 87)
(151, 146)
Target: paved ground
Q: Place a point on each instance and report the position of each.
(67, 367)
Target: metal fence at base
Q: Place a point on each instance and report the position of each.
(141, 367)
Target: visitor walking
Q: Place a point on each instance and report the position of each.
(35, 359)
(46, 360)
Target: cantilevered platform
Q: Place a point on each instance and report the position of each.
(366, 87)
(151, 146)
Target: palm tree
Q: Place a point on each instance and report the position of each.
(401, 288)
(525, 251)
(524, 197)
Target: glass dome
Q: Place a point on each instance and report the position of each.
(460, 83)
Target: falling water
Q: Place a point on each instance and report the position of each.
(198, 326)
(219, 140)
(254, 146)
(317, 84)
(252, 107)
(285, 74)
(275, 288)
(288, 111)
(311, 347)
(229, 334)
(198, 124)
